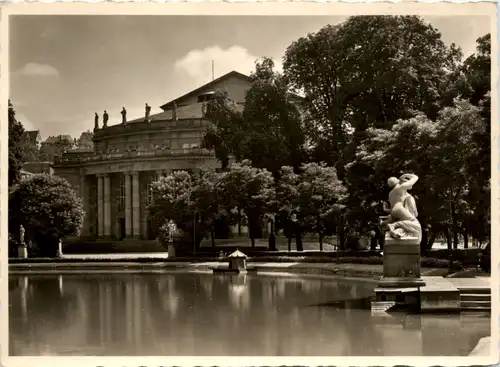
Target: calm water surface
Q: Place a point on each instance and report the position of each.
(181, 314)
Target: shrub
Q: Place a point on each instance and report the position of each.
(49, 210)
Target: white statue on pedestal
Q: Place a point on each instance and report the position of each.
(402, 222)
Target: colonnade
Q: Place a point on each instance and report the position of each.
(132, 204)
(131, 207)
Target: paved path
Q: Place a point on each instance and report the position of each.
(345, 270)
(143, 255)
(483, 348)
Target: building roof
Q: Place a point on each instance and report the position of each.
(87, 135)
(214, 82)
(25, 173)
(31, 135)
(55, 139)
(238, 254)
(192, 111)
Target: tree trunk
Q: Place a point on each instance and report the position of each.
(239, 222)
(454, 228)
(448, 238)
(272, 242)
(465, 234)
(319, 233)
(298, 240)
(289, 244)
(427, 246)
(212, 236)
(432, 239)
(341, 242)
(272, 237)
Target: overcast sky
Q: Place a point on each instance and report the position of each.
(65, 68)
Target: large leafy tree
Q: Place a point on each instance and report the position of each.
(442, 153)
(210, 200)
(267, 130)
(463, 167)
(250, 191)
(319, 200)
(477, 70)
(227, 130)
(16, 156)
(194, 203)
(49, 210)
(369, 71)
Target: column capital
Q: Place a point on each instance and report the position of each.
(134, 173)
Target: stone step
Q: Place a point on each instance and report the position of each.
(475, 297)
(479, 310)
(474, 290)
(469, 305)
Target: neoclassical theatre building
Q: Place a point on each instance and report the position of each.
(114, 177)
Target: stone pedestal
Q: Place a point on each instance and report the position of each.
(171, 250)
(59, 250)
(22, 252)
(401, 263)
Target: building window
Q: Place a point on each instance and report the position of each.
(206, 97)
(152, 179)
(122, 196)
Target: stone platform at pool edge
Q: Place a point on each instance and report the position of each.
(451, 295)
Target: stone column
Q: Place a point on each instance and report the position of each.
(100, 208)
(135, 205)
(85, 200)
(159, 174)
(128, 205)
(107, 206)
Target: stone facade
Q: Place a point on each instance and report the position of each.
(114, 178)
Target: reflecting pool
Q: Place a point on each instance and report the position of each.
(186, 314)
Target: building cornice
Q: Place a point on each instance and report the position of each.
(153, 127)
(196, 154)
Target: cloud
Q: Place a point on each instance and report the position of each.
(34, 69)
(26, 122)
(198, 63)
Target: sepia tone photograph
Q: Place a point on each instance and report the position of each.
(214, 185)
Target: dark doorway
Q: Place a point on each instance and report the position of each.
(152, 229)
(122, 228)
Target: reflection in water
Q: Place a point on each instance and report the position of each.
(193, 314)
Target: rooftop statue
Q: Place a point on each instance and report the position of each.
(402, 222)
(124, 115)
(148, 111)
(96, 121)
(105, 118)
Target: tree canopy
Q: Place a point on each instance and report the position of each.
(369, 71)
(443, 154)
(267, 130)
(49, 210)
(16, 156)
